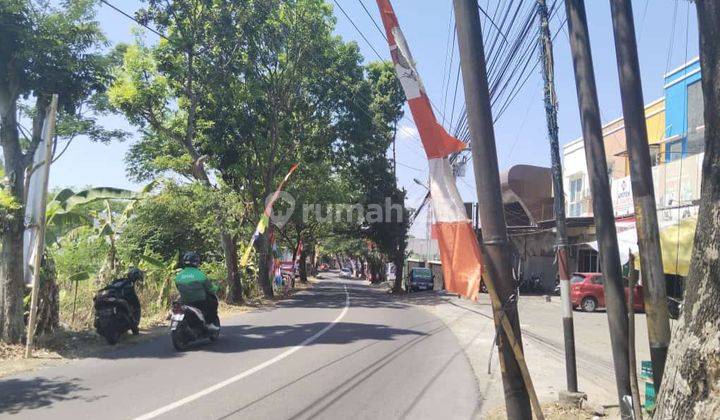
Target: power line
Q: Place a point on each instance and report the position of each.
(359, 31)
(127, 15)
(410, 167)
(373, 19)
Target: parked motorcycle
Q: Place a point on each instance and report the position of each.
(117, 309)
(532, 285)
(187, 325)
(674, 307)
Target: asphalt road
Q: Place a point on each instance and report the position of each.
(340, 350)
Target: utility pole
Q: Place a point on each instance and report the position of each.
(487, 179)
(48, 134)
(600, 187)
(646, 223)
(561, 255)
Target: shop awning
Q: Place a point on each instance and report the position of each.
(676, 242)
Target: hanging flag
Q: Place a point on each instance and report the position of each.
(298, 251)
(265, 218)
(459, 249)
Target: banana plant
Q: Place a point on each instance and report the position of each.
(165, 271)
(77, 278)
(68, 210)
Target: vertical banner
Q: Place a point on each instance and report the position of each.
(459, 249)
(265, 218)
(37, 184)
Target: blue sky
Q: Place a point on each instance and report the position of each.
(520, 133)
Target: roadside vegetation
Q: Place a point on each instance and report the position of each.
(223, 102)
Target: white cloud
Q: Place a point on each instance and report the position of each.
(408, 132)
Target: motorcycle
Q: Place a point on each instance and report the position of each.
(674, 307)
(187, 325)
(113, 312)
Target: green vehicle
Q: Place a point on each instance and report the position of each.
(420, 278)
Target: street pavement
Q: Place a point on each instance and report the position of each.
(339, 350)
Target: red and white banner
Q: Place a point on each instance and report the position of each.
(459, 249)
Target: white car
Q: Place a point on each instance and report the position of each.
(345, 273)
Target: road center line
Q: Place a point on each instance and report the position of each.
(245, 374)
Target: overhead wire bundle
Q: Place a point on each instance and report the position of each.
(510, 36)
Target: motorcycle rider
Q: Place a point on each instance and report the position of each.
(197, 290)
(126, 285)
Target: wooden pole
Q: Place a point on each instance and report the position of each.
(49, 133)
(520, 397)
(632, 281)
(651, 264)
(600, 188)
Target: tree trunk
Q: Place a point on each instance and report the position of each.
(691, 383)
(12, 285)
(399, 261)
(109, 269)
(49, 302)
(262, 247)
(234, 293)
(303, 266)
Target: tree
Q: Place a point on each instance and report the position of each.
(160, 90)
(45, 51)
(388, 100)
(368, 171)
(691, 382)
(177, 219)
(286, 98)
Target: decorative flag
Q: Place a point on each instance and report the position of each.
(265, 218)
(298, 251)
(459, 249)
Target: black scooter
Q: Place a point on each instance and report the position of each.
(187, 325)
(114, 313)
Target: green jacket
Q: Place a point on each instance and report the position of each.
(194, 285)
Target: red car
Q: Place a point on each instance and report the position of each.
(587, 292)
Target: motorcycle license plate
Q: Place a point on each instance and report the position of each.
(175, 320)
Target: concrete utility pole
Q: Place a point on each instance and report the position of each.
(646, 222)
(487, 179)
(546, 53)
(48, 134)
(600, 187)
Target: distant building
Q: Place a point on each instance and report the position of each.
(676, 137)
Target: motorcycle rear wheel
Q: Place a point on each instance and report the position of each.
(112, 336)
(213, 336)
(178, 340)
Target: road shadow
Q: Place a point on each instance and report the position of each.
(17, 395)
(325, 295)
(243, 338)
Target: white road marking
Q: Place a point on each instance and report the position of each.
(245, 374)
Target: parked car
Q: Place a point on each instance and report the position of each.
(587, 292)
(345, 273)
(420, 278)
